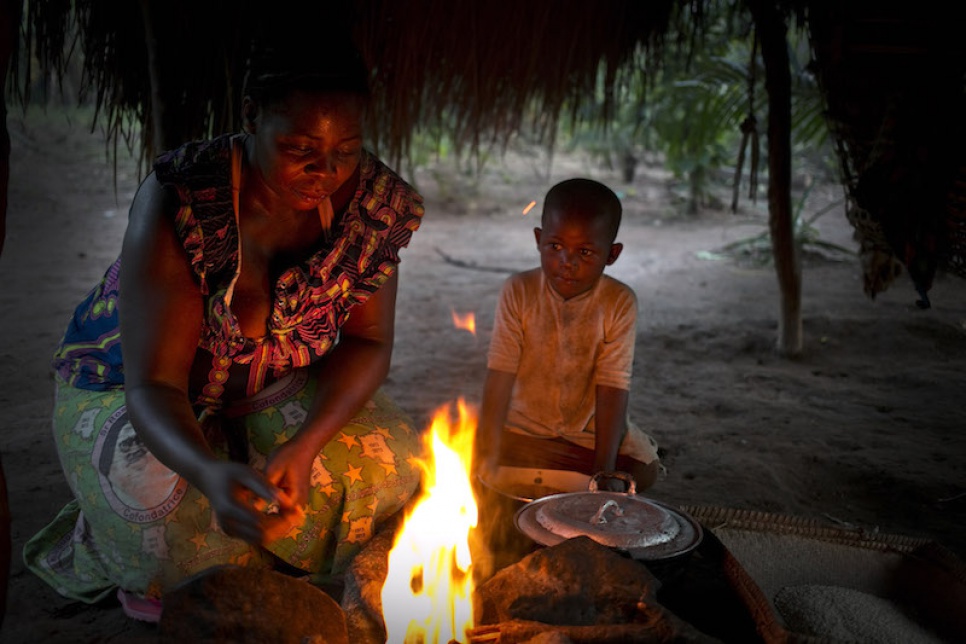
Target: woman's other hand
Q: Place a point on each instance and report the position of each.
(289, 469)
(235, 492)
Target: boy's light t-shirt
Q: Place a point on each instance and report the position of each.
(560, 350)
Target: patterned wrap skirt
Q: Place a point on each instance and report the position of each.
(137, 525)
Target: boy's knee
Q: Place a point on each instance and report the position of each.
(645, 475)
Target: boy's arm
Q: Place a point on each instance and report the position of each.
(610, 425)
(493, 412)
(613, 372)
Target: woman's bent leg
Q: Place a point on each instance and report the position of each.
(362, 477)
(133, 522)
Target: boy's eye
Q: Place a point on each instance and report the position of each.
(586, 252)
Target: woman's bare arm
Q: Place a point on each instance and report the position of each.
(346, 379)
(161, 312)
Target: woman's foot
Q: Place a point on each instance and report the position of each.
(144, 609)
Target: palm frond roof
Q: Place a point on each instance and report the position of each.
(891, 73)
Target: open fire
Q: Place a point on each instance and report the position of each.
(428, 592)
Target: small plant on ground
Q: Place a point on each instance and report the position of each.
(757, 249)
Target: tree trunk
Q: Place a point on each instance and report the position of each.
(9, 36)
(6, 548)
(10, 11)
(171, 122)
(157, 139)
(772, 32)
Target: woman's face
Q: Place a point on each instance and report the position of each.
(306, 146)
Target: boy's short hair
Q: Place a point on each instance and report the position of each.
(587, 196)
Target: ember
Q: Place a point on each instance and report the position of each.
(427, 595)
(466, 322)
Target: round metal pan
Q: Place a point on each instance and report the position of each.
(644, 528)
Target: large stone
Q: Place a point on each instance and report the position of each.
(578, 591)
(362, 599)
(583, 591)
(577, 582)
(249, 606)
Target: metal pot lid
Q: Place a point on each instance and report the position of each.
(645, 528)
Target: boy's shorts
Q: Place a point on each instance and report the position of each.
(637, 443)
(574, 453)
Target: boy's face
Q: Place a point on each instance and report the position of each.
(574, 250)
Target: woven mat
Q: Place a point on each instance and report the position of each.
(766, 553)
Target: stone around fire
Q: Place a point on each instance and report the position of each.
(234, 604)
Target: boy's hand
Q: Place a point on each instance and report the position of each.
(608, 481)
(611, 484)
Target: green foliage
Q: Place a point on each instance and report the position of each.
(690, 113)
(613, 129)
(757, 249)
(696, 120)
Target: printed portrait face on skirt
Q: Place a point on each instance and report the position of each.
(137, 486)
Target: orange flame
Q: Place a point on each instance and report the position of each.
(466, 322)
(427, 595)
(529, 207)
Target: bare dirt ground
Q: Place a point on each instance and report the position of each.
(866, 430)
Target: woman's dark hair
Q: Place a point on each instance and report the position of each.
(278, 66)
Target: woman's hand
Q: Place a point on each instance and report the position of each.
(236, 492)
(289, 469)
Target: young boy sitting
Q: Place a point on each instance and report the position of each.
(560, 359)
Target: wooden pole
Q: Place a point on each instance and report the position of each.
(9, 35)
(772, 32)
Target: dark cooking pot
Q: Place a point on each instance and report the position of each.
(500, 495)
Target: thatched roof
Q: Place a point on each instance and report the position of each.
(892, 77)
(477, 68)
(490, 68)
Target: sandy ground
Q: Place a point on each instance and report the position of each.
(866, 430)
